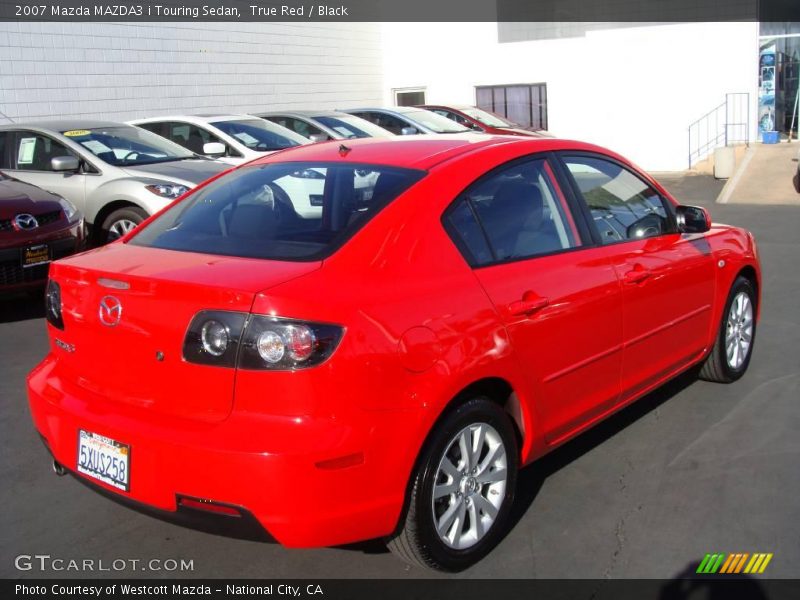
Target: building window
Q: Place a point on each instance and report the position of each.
(409, 97)
(524, 104)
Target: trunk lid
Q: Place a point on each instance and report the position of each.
(134, 357)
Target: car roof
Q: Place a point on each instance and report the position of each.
(206, 118)
(451, 106)
(415, 151)
(60, 125)
(308, 114)
(393, 109)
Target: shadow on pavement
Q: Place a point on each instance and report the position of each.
(22, 307)
(532, 477)
(688, 585)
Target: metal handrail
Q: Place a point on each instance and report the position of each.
(720, 126)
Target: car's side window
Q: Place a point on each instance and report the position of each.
(4, 163)
(622, 206)
(157, 128)
(456, 117)
(389, 122)
(301, 127)
(519, 212)
(189, 136)
(192, 137)
(33, 152)
(462, 225)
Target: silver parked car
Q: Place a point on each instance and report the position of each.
(117, 175)
(322, 125)
(408, 120)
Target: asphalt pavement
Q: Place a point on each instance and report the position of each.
(693, 468)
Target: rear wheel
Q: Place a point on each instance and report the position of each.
(121, 222)
(733, 347)
(462, 490)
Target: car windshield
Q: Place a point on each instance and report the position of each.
(353, 127)
(434, 122)
(487, 118)
(125, 146)
(260, 135)
(281, 211)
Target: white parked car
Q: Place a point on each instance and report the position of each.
(237, 139)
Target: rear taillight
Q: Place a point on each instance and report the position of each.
(258, 342)
(52, 303)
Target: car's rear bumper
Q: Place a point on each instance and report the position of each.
(308, 482)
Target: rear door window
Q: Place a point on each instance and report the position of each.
(284, 211)
(520, 212)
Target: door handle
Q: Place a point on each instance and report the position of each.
(528, 305)
(636, 275)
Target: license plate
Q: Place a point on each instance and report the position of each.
(104, 459)
(35, 255)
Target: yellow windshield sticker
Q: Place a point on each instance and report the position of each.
(77, 133)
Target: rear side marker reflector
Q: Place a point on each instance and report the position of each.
(342, 462)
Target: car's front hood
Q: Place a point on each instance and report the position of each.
(19, 198)
(188, 172)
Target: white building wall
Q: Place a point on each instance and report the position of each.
(633, 89)
(120, 71)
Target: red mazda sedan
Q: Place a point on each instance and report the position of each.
(455, 308)
(36, 227)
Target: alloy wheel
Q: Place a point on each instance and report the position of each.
(470, 486)
(739, 330)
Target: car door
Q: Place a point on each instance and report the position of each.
(558, 296)
(29, 161)
(667, 277)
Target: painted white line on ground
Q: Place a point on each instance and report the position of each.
(727, 191)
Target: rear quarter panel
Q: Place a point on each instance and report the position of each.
(399, 275)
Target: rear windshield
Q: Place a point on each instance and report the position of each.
(284, 211)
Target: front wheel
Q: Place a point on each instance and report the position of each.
(462, 489)
(733, 347)
(121, 222)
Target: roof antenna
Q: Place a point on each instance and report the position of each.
(344, 150)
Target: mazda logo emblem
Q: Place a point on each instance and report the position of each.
(26, 221)
(110, 311)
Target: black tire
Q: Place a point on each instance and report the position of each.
(108, 232)
(417, 540)
(717, 367)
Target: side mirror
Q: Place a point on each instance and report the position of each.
(318, 137)
(692, 219)
(64, 163)
(409, 131)
(214, 149)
